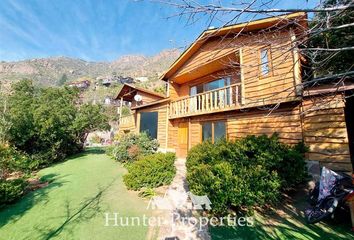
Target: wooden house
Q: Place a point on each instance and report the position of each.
(246, 79)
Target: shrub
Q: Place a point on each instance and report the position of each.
(11, 190)
(13, 160)
(151, 171)
(131, 146)
(245, 173)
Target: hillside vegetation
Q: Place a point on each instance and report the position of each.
(49, 71)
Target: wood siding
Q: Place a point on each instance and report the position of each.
(258, 90)
(319, 122)
(127, 124)
(147, 98)
(285, 121)
(325, 131)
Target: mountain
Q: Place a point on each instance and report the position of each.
(48, 71)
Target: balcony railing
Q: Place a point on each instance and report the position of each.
(208, 102)
(127, 121)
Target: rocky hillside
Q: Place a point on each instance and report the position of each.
(48, 71)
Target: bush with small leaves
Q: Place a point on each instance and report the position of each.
(151, 171)
(131, 146)
(11, 190)
(245, 173)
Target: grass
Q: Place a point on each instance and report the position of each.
(287, 222)
(73, 205)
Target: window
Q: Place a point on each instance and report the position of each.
(207, 131)
(218, 83)
(265, 66)
(148, 123)
(219, 130)
(213, 85)
(213, 130)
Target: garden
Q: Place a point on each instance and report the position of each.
(147, 169)
(39, 127)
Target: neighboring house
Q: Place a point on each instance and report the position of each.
(82, 85)
(108, 81)
(246, 79)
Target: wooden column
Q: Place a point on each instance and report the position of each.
(120, 108)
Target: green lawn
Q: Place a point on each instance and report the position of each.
(73, 205)
(287, 223)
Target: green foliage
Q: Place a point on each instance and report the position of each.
(160, 89)
(151, 171)
(96, 139)
(11, 190)
(89, 118)
(13, 160)
(147, 193)
(244, 173)
(131, 146)
(47, 124)
(326, 62)
(63, 80)
(125, 111)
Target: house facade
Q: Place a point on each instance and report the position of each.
(246, 79)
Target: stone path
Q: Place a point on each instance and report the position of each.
(175, 227)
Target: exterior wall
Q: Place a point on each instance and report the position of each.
(319, 122)
(325, 132)
(285, 121)
(128, 124)
(147, 98)
(280, 84)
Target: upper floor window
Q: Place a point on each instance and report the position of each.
(265, 63)
(209, 86)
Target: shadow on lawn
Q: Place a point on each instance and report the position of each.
(12, 213)
(88, 209)
(287, 222)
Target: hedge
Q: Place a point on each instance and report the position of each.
(244, 173)
(151, 171)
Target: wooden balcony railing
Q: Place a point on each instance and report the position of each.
(207, 102)
(127, 121)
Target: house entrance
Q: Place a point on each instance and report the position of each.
(182, 140)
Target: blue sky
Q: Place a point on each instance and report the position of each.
(94, 30)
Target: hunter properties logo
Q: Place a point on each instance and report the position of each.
(172, 202)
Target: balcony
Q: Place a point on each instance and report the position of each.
(217, 100)
(127, 122)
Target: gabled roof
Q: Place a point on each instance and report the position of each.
(128, 92)
(266, 23)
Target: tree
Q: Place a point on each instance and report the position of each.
(47, 123)
(88, 119)
(4, 121)
(20, 114)
(63, 80)
(332, 62)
